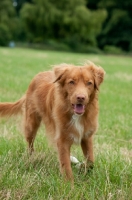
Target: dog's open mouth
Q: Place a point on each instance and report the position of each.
(78, 108)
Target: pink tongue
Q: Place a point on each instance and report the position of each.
(79, 108)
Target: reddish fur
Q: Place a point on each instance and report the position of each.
(49, 98)
(9, 109)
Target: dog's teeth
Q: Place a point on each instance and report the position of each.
(74, 160)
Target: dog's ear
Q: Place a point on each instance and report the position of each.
(98, 73)
(60, 71)
(99, 76)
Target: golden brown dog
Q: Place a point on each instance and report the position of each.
(66, 101)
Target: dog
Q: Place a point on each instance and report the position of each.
(66, 101)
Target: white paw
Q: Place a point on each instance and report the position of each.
(74, 160)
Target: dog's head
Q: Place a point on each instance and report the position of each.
(78, 84)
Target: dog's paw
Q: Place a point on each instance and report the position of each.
(85, 167)
(74, 160)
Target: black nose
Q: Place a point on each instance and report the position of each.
(80, 97)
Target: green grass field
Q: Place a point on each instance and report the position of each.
(37, 177)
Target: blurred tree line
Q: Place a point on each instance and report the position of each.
(82, 25)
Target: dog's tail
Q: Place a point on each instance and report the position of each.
(10, 109)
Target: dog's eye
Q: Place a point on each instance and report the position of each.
(89, 83)
(71, 82)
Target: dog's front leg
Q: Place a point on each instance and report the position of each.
(87, 148)
(64, 159)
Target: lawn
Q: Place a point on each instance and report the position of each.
(37, 177)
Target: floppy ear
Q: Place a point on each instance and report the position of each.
(98, 73)
(59, 71)
(99, 76)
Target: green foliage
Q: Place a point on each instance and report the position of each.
(117, 28)
(5, 35)
(112, 49)
(72, 24)
(88, 23)
(7, 21)
(39, 22)
(20, 4)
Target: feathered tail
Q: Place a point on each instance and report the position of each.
(9, 109)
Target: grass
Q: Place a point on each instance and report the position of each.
(37, 177)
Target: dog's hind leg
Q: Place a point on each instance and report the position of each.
(32, 123)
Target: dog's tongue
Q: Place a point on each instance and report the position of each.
(79, 108)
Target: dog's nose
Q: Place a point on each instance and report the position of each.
(80, 97)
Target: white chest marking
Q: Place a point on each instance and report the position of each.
(79, 127)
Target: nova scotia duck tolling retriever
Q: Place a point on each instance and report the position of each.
(66, 101)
